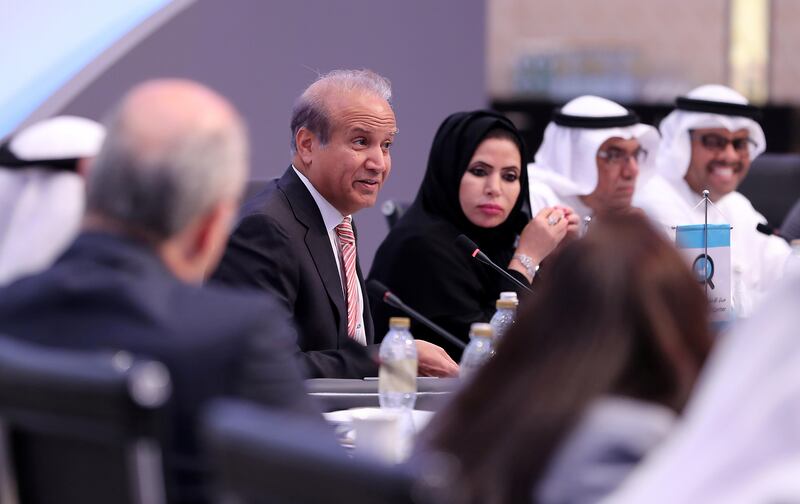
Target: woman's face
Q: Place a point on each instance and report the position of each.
(490, 186)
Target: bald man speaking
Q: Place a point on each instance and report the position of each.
(296, 239)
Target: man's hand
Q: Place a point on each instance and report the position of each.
(432, 360)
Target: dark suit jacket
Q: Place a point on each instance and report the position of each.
(280, 245)
(107, 292)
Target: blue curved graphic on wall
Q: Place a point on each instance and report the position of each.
(46, 43)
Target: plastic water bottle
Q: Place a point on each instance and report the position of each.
(397, 378)
(479, 350)
(792, 267)
(503, 317)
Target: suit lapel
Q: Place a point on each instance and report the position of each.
(319, 246)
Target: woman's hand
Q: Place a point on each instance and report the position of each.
(573, 223)
(543, 234)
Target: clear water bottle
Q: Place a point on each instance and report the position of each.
(792, 267)
(397, 378)
(503, 317)
(479, 350)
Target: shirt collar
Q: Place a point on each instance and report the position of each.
(330, 215)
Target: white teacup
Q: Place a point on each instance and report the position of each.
(381, 434)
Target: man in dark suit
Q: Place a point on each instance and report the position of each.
(162, 195)
(295, 239)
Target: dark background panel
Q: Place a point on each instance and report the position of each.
(263, 54)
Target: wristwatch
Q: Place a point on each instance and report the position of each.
(530, 266)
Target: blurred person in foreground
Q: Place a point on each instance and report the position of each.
(161, 197)
(474, 185)
(738, 441)
(594, 155)
(42, 191)
(589, 379)
(708, 142)
(296, 239)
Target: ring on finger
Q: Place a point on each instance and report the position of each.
(553, 219)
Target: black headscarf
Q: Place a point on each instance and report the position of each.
(455, 143)
(419, 260)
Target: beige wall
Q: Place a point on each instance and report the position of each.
(785, 52)
(673, 40)
(676, 44)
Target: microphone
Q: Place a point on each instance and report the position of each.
(472, 249)
(380, 291)
(769, 230)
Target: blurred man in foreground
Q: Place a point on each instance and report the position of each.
(161, 197)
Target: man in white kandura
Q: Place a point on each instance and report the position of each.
(593, 155)
(42, 171)
(708, 143)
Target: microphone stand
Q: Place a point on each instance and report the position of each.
(394, 301)
(377, 289)
(472, 248)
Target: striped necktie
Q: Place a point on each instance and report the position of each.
(347, 246)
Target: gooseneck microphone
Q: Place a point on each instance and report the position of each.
(472, 249)
(380, 291)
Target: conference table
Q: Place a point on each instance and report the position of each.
(338, 394)
(339, 397)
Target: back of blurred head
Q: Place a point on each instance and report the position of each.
(618, 313)
(170, 173)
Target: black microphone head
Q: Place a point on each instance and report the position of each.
(471, 248)
(467, 245)
(763, 228)
(376, 289)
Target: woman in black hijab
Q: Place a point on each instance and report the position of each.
(475, 184)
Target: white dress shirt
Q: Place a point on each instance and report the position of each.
(332, 218)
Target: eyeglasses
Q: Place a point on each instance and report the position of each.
(617, 156)
(718, 143)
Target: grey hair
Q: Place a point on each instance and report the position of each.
(309, 110)
(159, 189)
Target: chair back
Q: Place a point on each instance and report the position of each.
(392, 210)
(791, 223)
(80, 426)
(263, 456)
(772, 185)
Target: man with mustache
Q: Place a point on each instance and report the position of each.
(593, 153)
(296, 239)
(708, 143)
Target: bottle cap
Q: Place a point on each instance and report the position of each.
(400, 322)
(509, 295)
(481, 329)
(505, 303)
